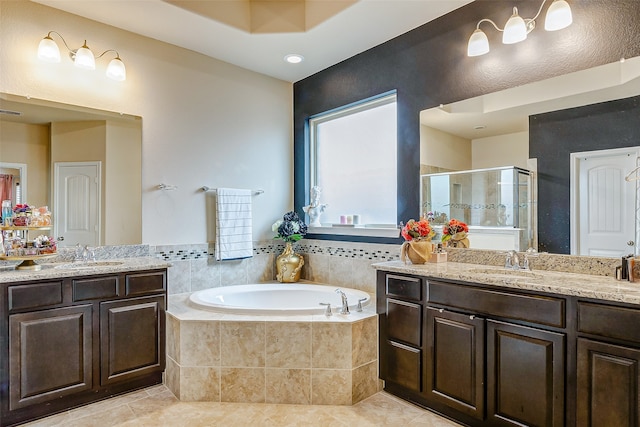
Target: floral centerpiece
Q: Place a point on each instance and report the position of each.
(289, 264)
(417, 246)
(455, 234)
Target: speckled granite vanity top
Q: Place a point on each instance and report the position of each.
(67, 269)
(583, 285)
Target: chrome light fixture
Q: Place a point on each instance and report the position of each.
(82, 57)
(517, 28)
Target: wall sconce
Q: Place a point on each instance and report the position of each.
(516, 29)
(82, 57)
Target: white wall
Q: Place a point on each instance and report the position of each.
(501, 150)
(205, 122)
(444, 150)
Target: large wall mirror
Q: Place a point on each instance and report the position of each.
(84, 164)
(550, 127)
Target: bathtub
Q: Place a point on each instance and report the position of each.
(276, 299)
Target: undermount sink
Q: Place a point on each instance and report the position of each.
(506, 273)
(88, 265)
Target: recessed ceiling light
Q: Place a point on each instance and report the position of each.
(294, 58)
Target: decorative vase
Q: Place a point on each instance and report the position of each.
(418, 251)
(289, 265)
(459, 240)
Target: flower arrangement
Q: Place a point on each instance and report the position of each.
(290, 228)
(419, 230)
(455, 233)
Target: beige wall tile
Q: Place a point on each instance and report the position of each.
(288, 386)
(341, 271)
(172, 377)
(242, 344)
(200, 384)
(205, 274)
(331, 387)
(364, 275)
(233, 272)
(200, 343)
(365, 381)
(173, 337)
(261, 268)
(364, 341)
(179, 277)
(288, 344)
(245, 385)
(316, 268)
(331, 345)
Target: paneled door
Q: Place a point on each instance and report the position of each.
(77, 204)
(604, 203)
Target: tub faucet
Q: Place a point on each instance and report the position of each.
(345, 305)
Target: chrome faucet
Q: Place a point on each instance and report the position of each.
(84, 254)
(512, 261)
(345, 305)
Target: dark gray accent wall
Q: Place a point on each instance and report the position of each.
(428, 66)
(553, 137)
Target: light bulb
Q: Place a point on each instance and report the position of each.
(478, 43)
(558, 16)
(48, 50)
(515, 29)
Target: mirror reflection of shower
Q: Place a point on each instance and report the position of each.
(13, 182)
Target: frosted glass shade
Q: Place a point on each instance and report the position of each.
(515, 29)
(116, 70)
(48, 50)
(558, 16)
(478, 43)
(84, 58)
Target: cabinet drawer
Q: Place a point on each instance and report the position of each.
(144, 283)
(404, 367)
(404, 321)
(101, 287)
(529, 308)
(36, 295)
(609, 321)
(404, 287)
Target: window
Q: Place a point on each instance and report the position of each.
(354, 162)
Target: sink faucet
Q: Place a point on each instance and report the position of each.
(345, 305)
(512, 261)
(85, 253)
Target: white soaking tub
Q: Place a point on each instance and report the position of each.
(276, 299)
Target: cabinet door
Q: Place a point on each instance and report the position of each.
(525, 376)
(608, 385)
(50, 355)
(132, 341)
(455, 361)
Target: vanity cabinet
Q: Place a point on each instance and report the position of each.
(401, 327)
(608, 370)
(71, 341)
(489, 358)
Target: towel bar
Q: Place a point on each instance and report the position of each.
(255, 192)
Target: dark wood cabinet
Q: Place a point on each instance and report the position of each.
(50, 355)
(525, 376)
(608, 385)
(131, 341)
(455, 361)
(608, 365)
(71, 341)
(481, 355)
(400, 327)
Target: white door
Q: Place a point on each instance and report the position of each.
(77, 202)
(606, 203)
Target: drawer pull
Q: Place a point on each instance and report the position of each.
(472, 317)
(441, 310)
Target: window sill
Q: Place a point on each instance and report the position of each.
(358, 230)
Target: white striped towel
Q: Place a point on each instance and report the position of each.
(234, 238)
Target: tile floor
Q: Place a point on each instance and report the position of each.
(157, 406)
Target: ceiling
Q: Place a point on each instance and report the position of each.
(325, 32)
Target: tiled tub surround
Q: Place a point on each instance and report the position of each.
(306, 359)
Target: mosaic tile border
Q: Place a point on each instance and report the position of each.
(373, 252)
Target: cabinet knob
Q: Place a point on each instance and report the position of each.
(441, 310)
(472, 317)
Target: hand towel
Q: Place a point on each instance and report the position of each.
(233, 224)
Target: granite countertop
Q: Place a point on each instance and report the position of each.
(574, 284)
(68, 269)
